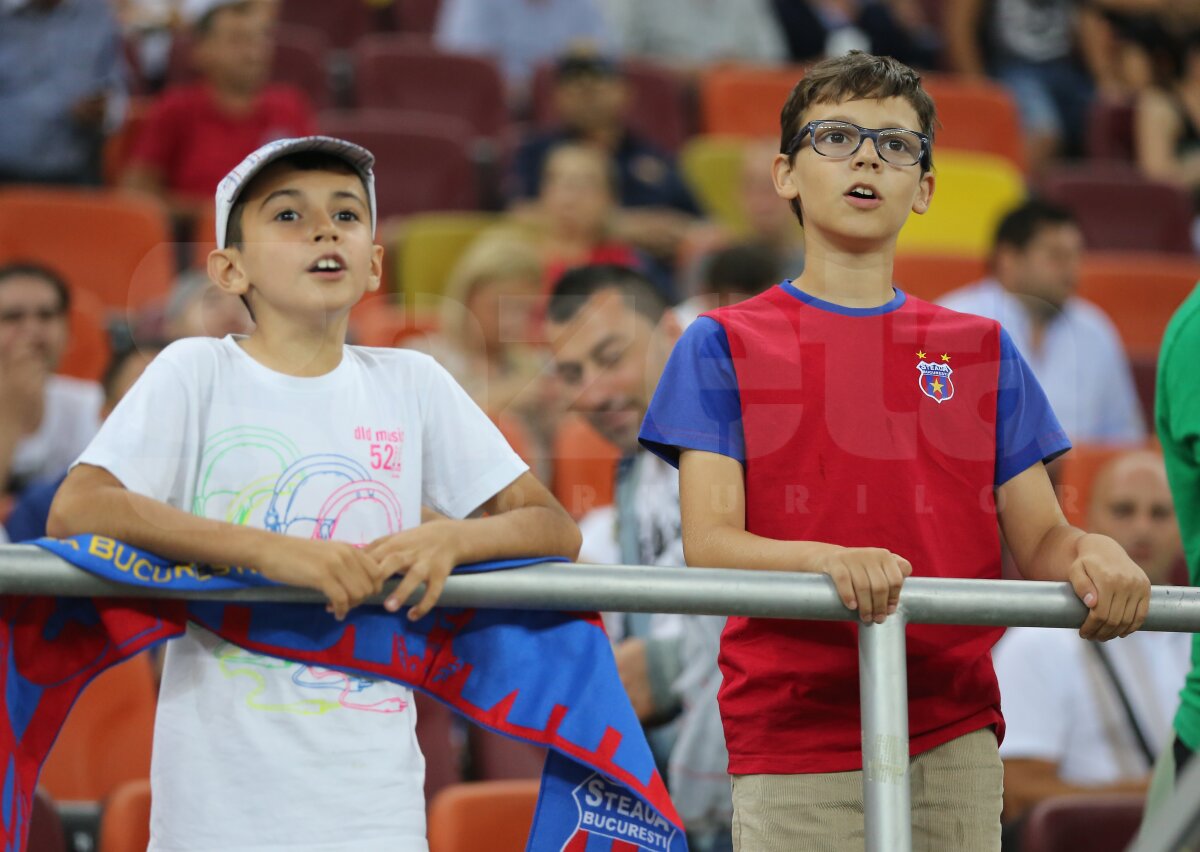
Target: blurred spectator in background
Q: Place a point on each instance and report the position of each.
(521, 34)
(45, 419)
(28, 517)
(1029, 46)
(62, 89)
(815, 29)
(195, 133)
(1070, 343)
(1167, 121)
(730, 275)
(689, 35)
(591, 97)
(486, 337)
(198, 308)
(1085, 716)
(149, 29)
(572, 223)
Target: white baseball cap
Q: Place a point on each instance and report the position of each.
(231, 186)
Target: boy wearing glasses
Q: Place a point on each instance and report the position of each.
(836, 425)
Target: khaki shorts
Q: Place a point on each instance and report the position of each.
(957, 791)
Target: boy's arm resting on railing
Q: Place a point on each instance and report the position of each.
(1046, 547)
(522, 519)
(712, 503)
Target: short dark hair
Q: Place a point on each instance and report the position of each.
(855, 76)
(1020, 225)
(305, 161)
(742, 268)
(576, 286)
(205, 23)
(33, 269)
(122, 354)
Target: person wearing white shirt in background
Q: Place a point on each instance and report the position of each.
(1069, 342)
(1064, 698)
(45, 419)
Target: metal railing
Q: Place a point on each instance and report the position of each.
(28, 570)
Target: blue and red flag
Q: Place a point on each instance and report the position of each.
(544, 677)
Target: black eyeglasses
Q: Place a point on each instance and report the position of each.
(840, 139)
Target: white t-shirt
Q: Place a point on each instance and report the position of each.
(70, 419)
(1059, 704)
(250, 752)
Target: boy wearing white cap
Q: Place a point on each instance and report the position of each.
(224, 443)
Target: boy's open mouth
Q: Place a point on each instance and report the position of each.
(328, 263)
(863, 191)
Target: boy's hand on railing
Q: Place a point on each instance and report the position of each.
(1111, 585)
(867, 579)
(423, 554)
(345, 574)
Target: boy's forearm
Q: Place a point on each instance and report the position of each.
(1054, 555)
(728, 547)
(155, 526)
(528, 531)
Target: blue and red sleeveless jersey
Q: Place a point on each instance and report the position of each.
(880, 427)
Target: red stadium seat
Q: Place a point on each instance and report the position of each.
(1096, 823)
(440, 742)
(110, 243)
(1139, 292)
(658, 103)
(343, 22)
(494, 757)
(1119, 210)
(1110, 130)
(423, 163)
(931, 276)
(416, 16)
(1145, 376)
(301, 60)
(491, 815)
(408, 73)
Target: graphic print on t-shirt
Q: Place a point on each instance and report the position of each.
(935, 380)
(326, 496)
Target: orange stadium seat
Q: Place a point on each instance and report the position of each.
(585, 467)
(343, 23)
(744, 100)
(1139, 292)
(1076, 472)
(106, 739)
(976, 116)
(118, 148)
(1119, 210)
(491, 815)
(404, 72)
(379, 321)
(125, 820)
(930, 276)
(658, 102)
(1097, 823)
(416, 16)
(112, 244)
(423, 162)
(89, 348)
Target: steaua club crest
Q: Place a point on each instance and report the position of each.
(935, 378)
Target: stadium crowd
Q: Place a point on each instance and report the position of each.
(564, 187)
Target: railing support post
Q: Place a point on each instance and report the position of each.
(883, 682)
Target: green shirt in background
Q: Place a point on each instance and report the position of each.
(1177, 418)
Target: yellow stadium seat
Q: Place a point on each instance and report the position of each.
(430, 245)
(712, 167)
(972, 193)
